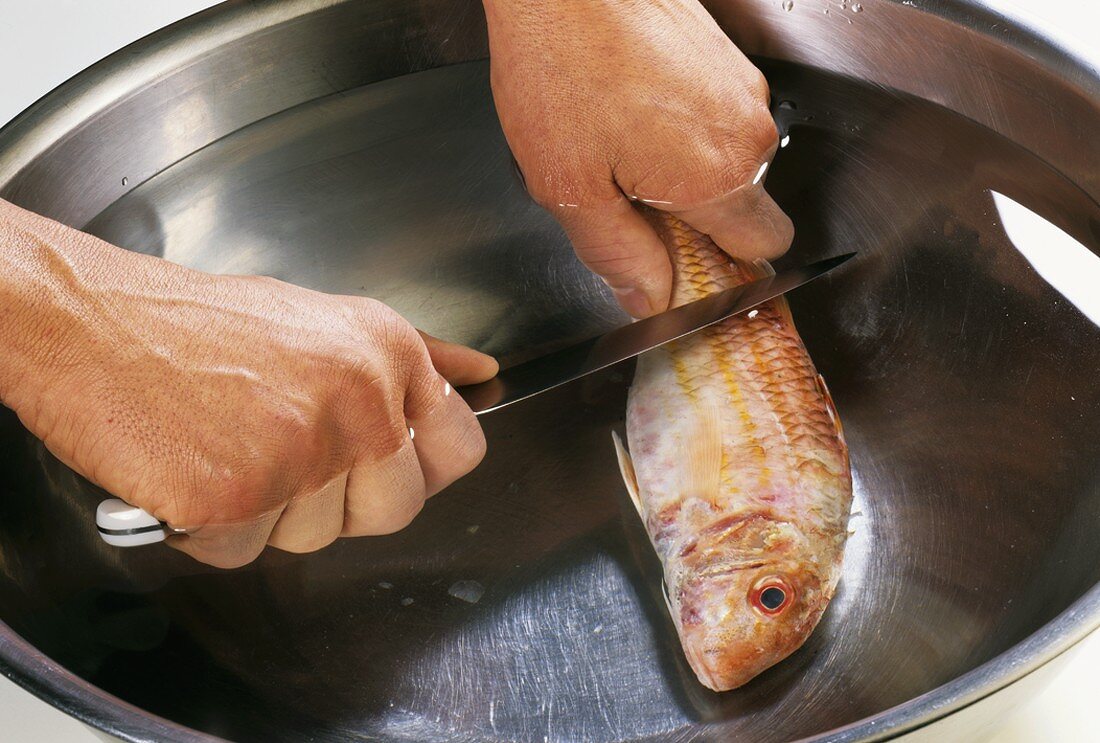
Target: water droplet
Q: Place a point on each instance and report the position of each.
(826, 11)
(469, 591)
(125, 181)
(472, 529)
(406, 601)
(843, 5)
(385, 585)
(785, 141)
(857, 8)
(788, 5)
(791, 105)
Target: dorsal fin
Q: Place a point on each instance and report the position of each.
(760, 269)
(830, 407)
(672, 613)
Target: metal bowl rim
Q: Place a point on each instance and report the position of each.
(94, 89)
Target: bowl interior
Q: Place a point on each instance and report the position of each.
(965, 380)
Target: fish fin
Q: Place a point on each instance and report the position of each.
(626, 467)
(704, 472)
(830, 407)
(761, 269)
(673, 615)
(784, 309)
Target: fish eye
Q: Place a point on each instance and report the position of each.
(771, 595)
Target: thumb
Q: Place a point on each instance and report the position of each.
(459, 364)
(615, 241)
(746, 222)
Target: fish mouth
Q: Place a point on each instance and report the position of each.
(715, 677)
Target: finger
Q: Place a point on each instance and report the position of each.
(227, 545)
(312, 521)
(742, 218)
(449, 442)
(616, 242)
(746, 223)
(459, 364)
(383, 495)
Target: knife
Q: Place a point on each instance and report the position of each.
(544, 373)
(123, 525)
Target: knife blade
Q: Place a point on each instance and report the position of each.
(529, 378)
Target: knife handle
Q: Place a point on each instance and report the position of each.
(123, 525)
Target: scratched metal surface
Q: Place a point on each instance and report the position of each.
(967, 386)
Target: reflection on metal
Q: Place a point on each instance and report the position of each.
(1062, 261)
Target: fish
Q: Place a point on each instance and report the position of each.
(736, 462)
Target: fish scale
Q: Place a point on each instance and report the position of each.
(739, 470)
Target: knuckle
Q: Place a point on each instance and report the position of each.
(294, 429)
(228, 494)
(757, 85)
(394, 336)
(759, 130)
(467, 449)
(387, 440)
(730, 160)
(472, 448)
(737, 156)
(371, 318)
(463, 455)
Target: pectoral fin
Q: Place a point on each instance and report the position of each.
(626, 467)
(704, 456)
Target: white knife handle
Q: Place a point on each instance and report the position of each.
(123, 525)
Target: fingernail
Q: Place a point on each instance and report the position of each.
(634, 301)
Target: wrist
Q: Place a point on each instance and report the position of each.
(46, 271)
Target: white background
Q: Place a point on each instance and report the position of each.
(44, 42)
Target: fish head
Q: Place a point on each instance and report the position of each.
(747, 596)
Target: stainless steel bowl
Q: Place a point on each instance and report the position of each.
(352, 147)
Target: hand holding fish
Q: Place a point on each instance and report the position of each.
(610, 102)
